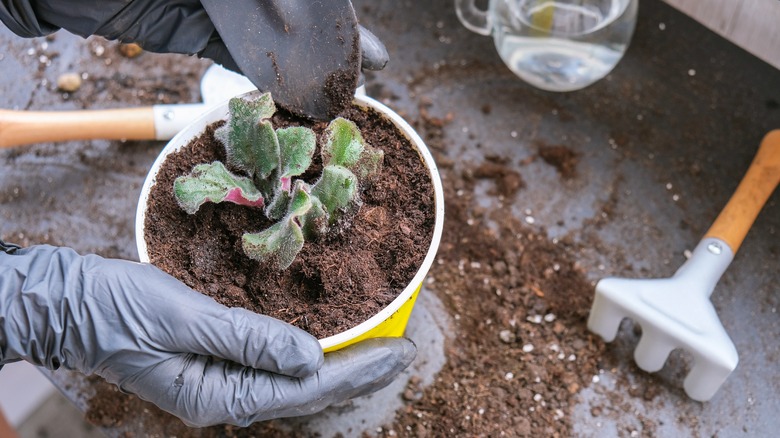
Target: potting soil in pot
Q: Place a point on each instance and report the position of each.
(337, 281)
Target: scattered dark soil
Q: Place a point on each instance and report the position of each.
(520, 351)
(336, 281)
(561, 157)
(507, 180)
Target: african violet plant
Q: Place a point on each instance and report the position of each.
(271, 158)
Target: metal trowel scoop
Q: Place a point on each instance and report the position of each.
(307, 54)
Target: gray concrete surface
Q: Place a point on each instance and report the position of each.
(664, 140)
(57, 417)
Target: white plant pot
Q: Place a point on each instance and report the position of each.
(390, 321)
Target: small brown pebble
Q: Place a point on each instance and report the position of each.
(130, 50)
(69, 82)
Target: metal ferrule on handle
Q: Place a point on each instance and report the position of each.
(172, 118)
(710, 259)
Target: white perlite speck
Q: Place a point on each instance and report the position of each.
(536, 319)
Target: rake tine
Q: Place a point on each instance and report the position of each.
(605, 318)
(652, 350)
(704, 379)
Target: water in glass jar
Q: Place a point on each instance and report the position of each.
(564, 45)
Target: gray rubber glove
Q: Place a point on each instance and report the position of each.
(180, 26)
(146, 332)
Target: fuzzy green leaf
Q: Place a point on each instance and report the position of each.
(262, 107)
(315, 221)
(249, 138)
(345, 146)
(343, 143)
(282, 241)
(214, 183)
(277, 208)
(296, 145)
(300, 200)
(278, 244)
(370, 163)
(336, 190)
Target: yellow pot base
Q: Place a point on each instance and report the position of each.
(393, 327)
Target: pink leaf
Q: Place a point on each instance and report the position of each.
(286, 183)
(236, 196)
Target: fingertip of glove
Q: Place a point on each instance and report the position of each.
(274, 345)
(387, 358)
(303, 356)
(407, 351)
(309, 359)
(375, 56)
(403, 349)
(395, 353)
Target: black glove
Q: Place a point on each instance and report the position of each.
(146, 332)
(156, 25)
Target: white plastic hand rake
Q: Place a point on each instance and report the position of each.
(676, 312)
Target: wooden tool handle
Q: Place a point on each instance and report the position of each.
(6, 430)
(24, 127)
(763, 175)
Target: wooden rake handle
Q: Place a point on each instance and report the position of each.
(763, 175)
(6, 430)
(25, 127)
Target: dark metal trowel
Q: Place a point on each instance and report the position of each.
(306, 53)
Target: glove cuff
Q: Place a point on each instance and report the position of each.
(20, 18)
(9, 248)
(40, 306)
